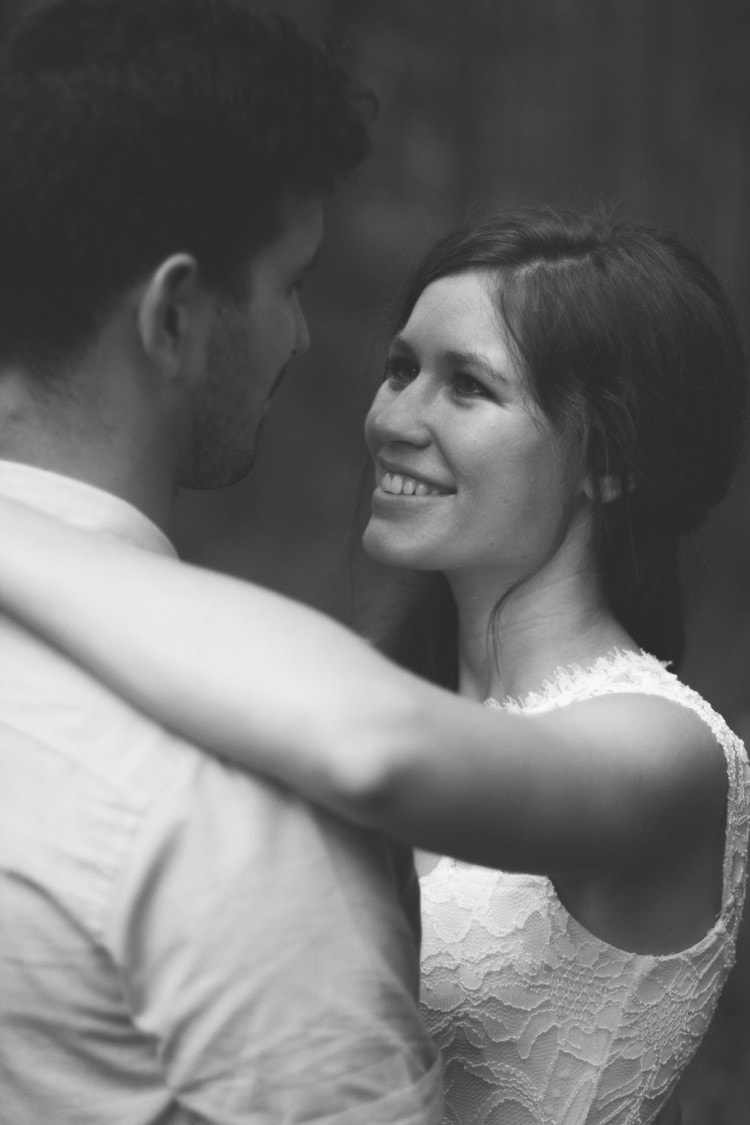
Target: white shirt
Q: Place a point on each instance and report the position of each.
(179, 940)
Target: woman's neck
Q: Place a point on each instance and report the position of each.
(550, 620)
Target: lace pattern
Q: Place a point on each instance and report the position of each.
(539, 1021)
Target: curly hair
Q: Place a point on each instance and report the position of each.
(133, 129)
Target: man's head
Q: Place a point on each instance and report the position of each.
(176, 149)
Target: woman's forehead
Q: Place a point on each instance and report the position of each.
(460, 307)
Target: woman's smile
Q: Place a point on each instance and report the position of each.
(396, 480)
(397, 484)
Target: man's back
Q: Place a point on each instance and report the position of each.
(178, 938)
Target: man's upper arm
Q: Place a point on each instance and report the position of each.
(258, 969)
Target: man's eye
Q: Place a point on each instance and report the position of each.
(400, 370)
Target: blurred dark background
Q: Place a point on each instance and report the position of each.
(644, 104)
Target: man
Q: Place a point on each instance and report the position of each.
(178, 941)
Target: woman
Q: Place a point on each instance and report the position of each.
(562, 402)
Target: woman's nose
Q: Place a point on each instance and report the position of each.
(400, 415)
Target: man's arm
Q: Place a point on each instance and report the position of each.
(291, 694)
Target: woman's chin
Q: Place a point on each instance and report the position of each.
(383, 546)
(377, 548)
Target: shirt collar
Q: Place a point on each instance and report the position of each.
(81, 505)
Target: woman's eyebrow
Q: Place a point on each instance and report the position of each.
(457, 357)
(400, 344)
(479, 362)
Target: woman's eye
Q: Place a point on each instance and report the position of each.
(466, 386)
(400, 370)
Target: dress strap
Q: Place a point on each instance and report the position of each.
(624, 671)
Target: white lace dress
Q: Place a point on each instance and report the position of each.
(539, 1021)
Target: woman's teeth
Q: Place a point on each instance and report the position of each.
(400, 485)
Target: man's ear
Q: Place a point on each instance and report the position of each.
(167, 311)
(607, 487)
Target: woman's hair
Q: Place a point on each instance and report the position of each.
(632, 351)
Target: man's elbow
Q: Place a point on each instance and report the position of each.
(380, 744)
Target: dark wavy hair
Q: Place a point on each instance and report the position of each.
(632, 350)
(133, 129)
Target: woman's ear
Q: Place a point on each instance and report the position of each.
(167, 310)
(607, 487)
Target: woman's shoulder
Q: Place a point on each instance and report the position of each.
(644, 729)
(662, 734)
(630, 688)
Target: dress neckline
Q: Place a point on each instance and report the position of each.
(567, 680)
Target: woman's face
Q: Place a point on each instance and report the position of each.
(470, 475)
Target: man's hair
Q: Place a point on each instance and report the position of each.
(134, 129)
